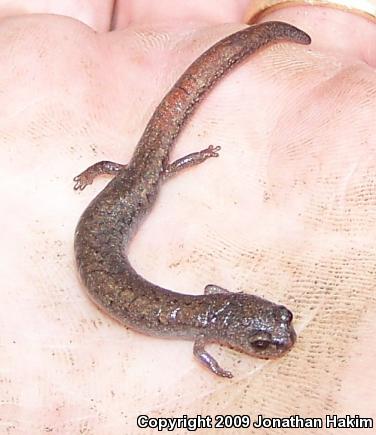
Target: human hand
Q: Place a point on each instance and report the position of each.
(285, 212)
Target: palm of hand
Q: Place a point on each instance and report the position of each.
(286, 212)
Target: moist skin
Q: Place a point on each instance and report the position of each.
(242, 321)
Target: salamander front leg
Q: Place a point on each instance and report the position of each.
(206, 359)
(190, 160)
(212, 289)
(104, 167)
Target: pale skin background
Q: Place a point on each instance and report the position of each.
(288, 211)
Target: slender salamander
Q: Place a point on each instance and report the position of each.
(241, 321)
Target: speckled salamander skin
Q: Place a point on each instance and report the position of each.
(242, 321)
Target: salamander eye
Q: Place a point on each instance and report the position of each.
(261, 341)
(260, 344)
(285, 315)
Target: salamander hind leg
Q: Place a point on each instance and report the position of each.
(206, 359)
(190, 160)
(87, 176)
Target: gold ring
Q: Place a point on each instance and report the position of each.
(366, 8)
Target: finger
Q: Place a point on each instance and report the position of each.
(346, 35)
(95, 13)
(175, 13)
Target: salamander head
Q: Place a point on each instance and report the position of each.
(259, 327)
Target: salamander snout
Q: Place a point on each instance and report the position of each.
(276, 334)
(266, 329)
